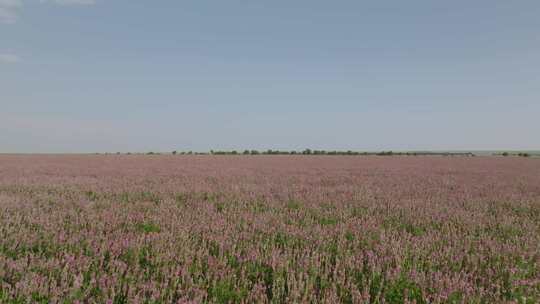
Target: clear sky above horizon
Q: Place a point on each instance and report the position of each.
(104, 75)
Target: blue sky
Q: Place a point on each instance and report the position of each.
(105, 75)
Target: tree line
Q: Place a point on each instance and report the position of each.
(320, 152)
(521, 154)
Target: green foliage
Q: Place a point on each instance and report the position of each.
(403, 290)
(149, 196)
(293, 205)
(39, 298)
(359, 211)
(321, 284)
(260, 207)
(259, 272)
(206, 196)
(91, 195)
(220, 207)
(455, 297)
(327, 221)
(400, 223)
(506, 232)
(147, 262)
(5, 298)
(120, 299)
(285, 241)
(375, 286)
(213, 248)
(129, 256)
(148, 227)
(181, 199)
(224, 292)
(333, 251)
(349, 236)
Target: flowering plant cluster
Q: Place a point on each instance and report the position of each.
(270, 229)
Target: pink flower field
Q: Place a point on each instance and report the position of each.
(269, 229)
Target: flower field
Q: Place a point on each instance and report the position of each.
(269, 229)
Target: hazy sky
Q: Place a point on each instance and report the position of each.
(139, 75)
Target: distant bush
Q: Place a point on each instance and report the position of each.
(505, 154)
(222, 152)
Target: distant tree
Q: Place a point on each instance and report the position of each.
(306, 152)
(505, 154)
(254, 152)
(383, 153)
(174, 152)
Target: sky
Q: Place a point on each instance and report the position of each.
(139, 75)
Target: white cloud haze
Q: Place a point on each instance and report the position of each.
(7, 16)
(9, 9)
(9, 58)
(71, 2)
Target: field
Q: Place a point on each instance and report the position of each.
(274, 229)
